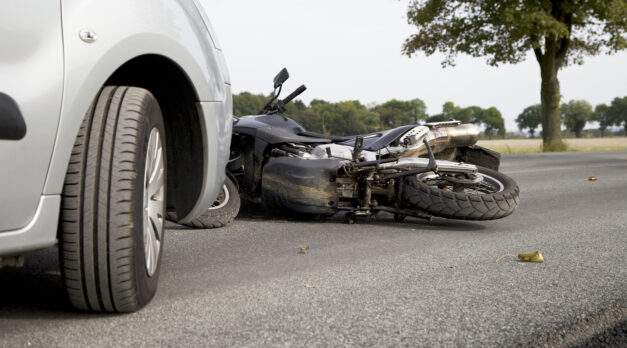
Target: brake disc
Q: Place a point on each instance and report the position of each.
(463, 181)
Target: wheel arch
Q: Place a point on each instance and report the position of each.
(177, 99)
(169, 36)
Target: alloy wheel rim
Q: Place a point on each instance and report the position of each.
(222, 200)
(154, 189)
(492, 180)
(486, 184)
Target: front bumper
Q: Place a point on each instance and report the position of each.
(217, 127)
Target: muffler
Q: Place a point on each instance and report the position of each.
(439, 137)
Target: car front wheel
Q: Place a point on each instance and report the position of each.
(113, 203)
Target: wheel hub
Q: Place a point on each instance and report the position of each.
(222, 199)
(154, 189)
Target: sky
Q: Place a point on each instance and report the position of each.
(351, 50)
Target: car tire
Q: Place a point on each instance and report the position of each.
(113, 203)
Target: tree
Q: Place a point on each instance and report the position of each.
(490, 118)
(345, 118)
(576, 113)
(493, 122)
(395, 113)
(449, 110)
(602, 116)
(530, 118)
(356, 119)
(618, 112)
(248, 104)
(309, 119)
(558, 32)
(437, 118)
(327, 113)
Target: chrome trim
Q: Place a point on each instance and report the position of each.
(221, 201)
(417, 163)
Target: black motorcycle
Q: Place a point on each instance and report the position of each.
(434, 169)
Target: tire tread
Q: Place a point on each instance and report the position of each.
(97, 215)
(216, 218)
(463, 206)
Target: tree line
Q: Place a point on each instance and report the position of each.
(576, 114)
(352, 117)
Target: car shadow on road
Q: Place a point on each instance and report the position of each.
(36, 290)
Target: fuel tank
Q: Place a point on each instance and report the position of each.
(274, 129)
(302, 185)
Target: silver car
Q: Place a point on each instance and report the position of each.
(111, 113)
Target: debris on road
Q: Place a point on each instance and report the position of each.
(592, 178)
(304, 250)
(503, 256)
(534, 256)
(309, 286)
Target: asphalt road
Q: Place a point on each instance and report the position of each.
(376, 283)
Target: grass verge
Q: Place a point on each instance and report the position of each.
(518, 146)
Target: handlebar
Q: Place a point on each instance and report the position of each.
(294, 94)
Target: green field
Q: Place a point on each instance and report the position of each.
(512, 146)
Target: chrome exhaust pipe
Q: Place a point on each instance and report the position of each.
(439, 138)
(417, 163)
(462, 135)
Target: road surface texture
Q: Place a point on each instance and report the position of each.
(375, 283)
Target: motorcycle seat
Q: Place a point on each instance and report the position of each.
(379, 140)
(333, 138)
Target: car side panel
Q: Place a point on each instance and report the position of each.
(31, 74)
(38, 234)
(124, 30)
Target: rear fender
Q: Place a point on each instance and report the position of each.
(479, 156)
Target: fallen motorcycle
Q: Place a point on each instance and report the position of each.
(426, 170)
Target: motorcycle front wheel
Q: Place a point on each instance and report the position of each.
(487, 195)
(221, 213)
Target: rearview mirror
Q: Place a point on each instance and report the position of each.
(281, 77)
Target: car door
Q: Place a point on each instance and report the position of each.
(31, 89)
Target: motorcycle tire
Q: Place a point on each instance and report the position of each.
(462, 205)
(223, 211)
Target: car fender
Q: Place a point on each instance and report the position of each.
(138, 30)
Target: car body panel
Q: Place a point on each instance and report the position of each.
(217, 141)
(185, 40)
(31, 73)
(122, 30)
(38, 234)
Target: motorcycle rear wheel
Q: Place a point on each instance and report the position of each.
(497, 198)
